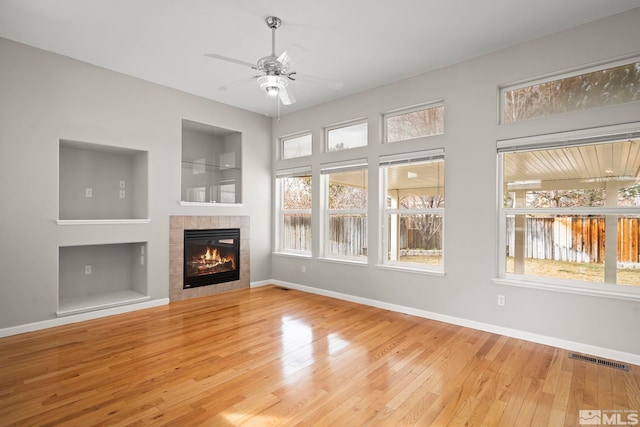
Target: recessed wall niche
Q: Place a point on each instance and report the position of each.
(93, 277)
(99, 182)
(211, 164)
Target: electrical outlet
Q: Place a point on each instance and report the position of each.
(122, 184)
(87, 269)
(304, 268)
(502, 300)
(88, 192)
(122, 194)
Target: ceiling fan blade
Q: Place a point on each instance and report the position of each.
(237, 83)
(286, 97)
(321, 81)
(292, 55)
(226, 58)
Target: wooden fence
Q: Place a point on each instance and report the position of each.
(347, 234)
(297, 232)
(576, 239)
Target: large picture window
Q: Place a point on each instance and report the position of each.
(294, 213)
(413, 191)
(345, 211)
(606, 85)
(571, 210)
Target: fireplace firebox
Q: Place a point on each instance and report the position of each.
(211, 257)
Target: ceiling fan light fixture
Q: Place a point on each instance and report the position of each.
(273, 90)
(272, 84)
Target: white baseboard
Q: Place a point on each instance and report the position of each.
(81, 317)
(261, 283)
(487, 327)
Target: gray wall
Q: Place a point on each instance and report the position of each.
(46, 97)
(470, 93)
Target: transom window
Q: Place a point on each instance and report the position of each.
(412, 123)
(606, 85)
(413, 190)
(296, 146)
(571, 210)
(345, 211)
(348, 136)
(294, 214)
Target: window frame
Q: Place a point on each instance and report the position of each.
(409, 110)
(401, 159)
(284, 139)
(325, 171)
(550, 77)
(601, 135)
(281, 211)
(341, 125)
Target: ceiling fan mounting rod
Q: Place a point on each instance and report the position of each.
(273, 22)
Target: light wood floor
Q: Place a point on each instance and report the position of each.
(267, 356)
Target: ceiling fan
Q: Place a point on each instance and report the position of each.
(275, 70)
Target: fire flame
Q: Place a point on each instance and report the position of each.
(213, 257)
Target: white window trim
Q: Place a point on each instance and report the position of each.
(407, 158)
(341, 125)
(407, 110)
(572, 72)
(580, 137)
(283, 139)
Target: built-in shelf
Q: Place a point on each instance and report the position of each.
(211, 165)
(102, 221)
(94, 277)
(99, 182)
(87, 303)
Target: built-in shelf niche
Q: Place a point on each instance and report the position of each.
(211, 164)
(102, 183)
(94, 277)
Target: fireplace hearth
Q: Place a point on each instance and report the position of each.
(211, 256)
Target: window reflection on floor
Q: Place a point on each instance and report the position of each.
(297, 345)
(299, 349)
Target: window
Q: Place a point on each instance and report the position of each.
(294, 213)
(413, 186)
(345, 211)
(296, 146)
(597, 88)
(346, 137)
(414, 123)
(571, 210)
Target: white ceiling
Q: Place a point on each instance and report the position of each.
(364, 43)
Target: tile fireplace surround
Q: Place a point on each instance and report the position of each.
(177, 226)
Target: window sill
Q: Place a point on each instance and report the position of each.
(291, 255)
(344, 261)
(212, 204)
(599, 290)
(408, 269)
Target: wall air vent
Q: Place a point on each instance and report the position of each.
(598, 361)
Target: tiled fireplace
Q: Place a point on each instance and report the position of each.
(178, 225)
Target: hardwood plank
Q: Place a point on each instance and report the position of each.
(268, 357)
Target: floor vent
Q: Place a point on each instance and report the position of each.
(598, 361)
